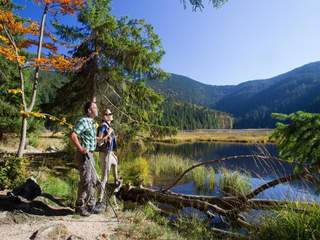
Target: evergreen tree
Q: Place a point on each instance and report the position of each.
(9, 104)
(299, 137)
(123, 54)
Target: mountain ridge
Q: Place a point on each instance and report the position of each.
(251, 102)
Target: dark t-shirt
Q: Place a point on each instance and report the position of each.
(104, 128)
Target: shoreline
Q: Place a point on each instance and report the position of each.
(250, 136)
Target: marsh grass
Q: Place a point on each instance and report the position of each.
(171, 166)
(289, 224)
(234, 182)
(220, 135)
(168, 165)
(203, 178)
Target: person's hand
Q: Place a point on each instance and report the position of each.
(83, 150)
(99, 138)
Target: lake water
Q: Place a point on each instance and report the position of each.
(261, 171)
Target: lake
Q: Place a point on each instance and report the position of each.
(260, 171)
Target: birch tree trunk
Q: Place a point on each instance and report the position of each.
(24, 123)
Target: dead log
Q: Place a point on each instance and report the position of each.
(143, 195)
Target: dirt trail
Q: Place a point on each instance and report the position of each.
(19, 226)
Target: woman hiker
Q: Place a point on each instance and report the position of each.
(107, 144)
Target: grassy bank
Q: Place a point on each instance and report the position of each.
(143, 222)
(221, 135)
(289, 224)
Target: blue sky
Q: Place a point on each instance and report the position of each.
(243, 40)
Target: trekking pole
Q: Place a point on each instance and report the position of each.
(104, 190)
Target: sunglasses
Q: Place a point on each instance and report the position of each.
(108, 114)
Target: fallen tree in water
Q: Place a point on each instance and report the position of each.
(229, 207)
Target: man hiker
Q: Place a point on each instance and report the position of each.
(84, 138)
(108, 160)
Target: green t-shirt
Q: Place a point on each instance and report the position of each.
(86, 129)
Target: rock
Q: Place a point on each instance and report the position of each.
(28, 190)
(56, 231)
(52, 232)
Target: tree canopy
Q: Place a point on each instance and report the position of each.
(122, 54)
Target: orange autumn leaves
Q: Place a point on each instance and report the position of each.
(59, 63)
(10, 26)
(64, 6)
(15, 25)
(17, 34)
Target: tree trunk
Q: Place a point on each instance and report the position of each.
(23, 136)
(36, 74)
(23, 132)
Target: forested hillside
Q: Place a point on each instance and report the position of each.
(252, 102)
(293, 91)
(189, 116)
(188, 90)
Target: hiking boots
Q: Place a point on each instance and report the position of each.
(82, 211)
(99, 208)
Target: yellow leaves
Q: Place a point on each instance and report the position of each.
(9, 54)
(59, 63)
(15, 91)
(62, 122)
(4, 39)
(10, 27)
(37, 115)
(16, 26)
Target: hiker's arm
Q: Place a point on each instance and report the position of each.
(100, 135)
(110, 130)
(74, 138)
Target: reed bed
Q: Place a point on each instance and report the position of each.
(234, 182)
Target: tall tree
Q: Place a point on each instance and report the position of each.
(125, 53)
(17, 35)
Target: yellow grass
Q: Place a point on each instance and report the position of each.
(222, 135)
